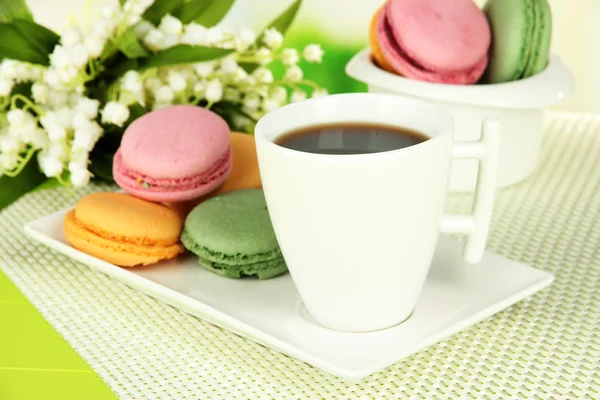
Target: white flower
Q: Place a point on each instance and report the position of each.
(89, 107)
(115, 113)
(229, 65)
(57, 150)
(263, 75)
(52, 79)
(94, 45)
(132, 83)
(273, 38)
(247, 36)
(10, 145)
(80, 177)
(214, 91)
(8, 69)
(293, 73)
(176, 80)
(6, 86)
(279, 93)
(194, 34)
(269, 105)
(50, 166)
(264, 56)
(71, 36)
(56, 133)
(9, 162)
(104, 28)
(152, 83)
(78, 55)
(214, 35)
(57, 98)
(250, 80)
(68, 73)
(39, 91)
(290, 57)
(38, 138)
(64, 116)
(110, 10)
(79, 119)
(252, 101)
(169, 25)
(170, 41)
(240, 74)
(297, 95)
(154, 39)
(60, 57)
(164, 95)
(319, 92)
(86, 136)
(78, 162)
(17, 117)
(313, 53)
(199, 88)
(142, 28)
(204, 69)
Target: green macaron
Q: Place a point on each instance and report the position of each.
(232, 235)
(521, 35)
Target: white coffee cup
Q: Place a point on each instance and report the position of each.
(358, 232)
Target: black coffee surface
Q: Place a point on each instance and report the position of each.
(350, 138)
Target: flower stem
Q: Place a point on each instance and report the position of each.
(25, 160)
(28, 103)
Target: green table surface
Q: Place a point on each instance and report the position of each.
(35, 361)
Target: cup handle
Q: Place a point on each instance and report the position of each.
(476, 225)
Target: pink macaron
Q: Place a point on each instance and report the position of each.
(174, 154)
(444, 41)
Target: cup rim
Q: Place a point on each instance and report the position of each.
(551, 86)
(259, 137)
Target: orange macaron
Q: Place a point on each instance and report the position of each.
(376, 51)
(124, 230)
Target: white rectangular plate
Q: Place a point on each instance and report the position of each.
(456, 295)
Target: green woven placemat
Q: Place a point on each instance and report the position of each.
(546, 347)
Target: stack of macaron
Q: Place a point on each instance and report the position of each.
(172, 161)
(455, 42)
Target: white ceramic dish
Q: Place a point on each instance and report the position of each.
(456, 295)
(519, 105)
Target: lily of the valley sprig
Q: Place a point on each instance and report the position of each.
(66, 108)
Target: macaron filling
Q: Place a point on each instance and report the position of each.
(134, 179)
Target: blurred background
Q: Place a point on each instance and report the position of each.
(341, 27)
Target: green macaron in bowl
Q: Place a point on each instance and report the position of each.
(232, 236)
(522, 31)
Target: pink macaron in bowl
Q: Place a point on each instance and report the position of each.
(174, 154)
(444, 51)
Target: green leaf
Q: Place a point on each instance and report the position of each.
(189, 10)
(205, 12)
(183, 54)
(50, 183)
(129, 44)
(102, 166)
(26, 41)
(14, 9)
(160, 8)
(283, 22)
(13, 188)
